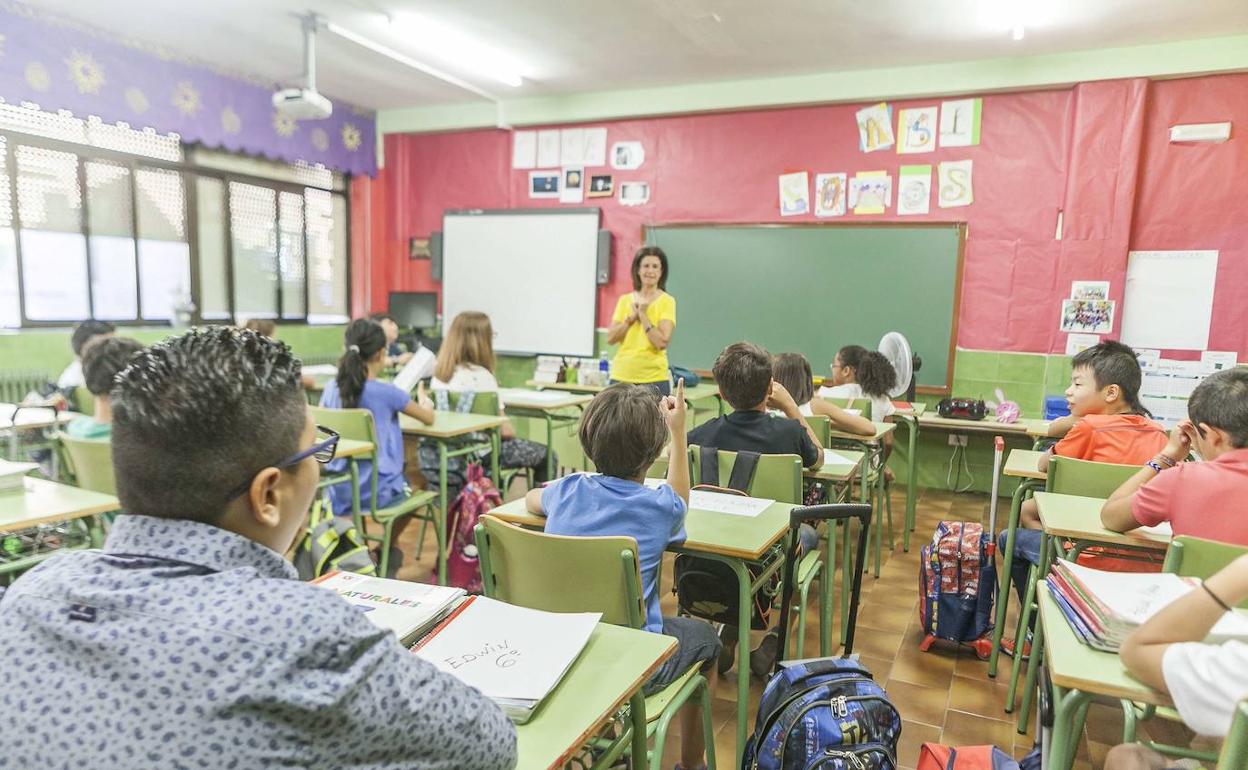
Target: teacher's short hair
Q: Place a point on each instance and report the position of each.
(623, 430)
(642, 253)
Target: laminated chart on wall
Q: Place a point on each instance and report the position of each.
(1168, 301)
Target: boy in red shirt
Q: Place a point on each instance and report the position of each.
(1198, 499)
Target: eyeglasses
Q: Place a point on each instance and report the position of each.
(323, 450)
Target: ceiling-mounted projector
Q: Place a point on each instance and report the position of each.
(305, 103)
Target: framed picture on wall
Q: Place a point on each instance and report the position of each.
(418, 248)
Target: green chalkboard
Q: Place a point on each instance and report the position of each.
(813, 289)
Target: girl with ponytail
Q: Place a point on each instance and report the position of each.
(357, 387)
(861, 373)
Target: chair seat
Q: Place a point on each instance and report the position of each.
(808, 567)
(406, 506)
(657, 703)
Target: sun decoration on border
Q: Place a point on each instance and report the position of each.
(186, 98)
(86, 72)
(350, 137)
(231, 123)
(284, 124)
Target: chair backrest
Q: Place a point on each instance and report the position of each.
(1195, 557)
(483, 402)
(561, 574)
(778, 477)
(355, 424)
(1069, 476)
(821, 424)
(1234, 754)
(90, 462)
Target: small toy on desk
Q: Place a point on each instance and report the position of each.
(1006, 411)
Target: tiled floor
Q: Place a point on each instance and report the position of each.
(943, 695)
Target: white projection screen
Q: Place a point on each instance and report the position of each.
(533, 272)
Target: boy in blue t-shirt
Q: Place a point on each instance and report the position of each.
(623, 431)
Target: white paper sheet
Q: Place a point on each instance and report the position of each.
(832, 457)
(596, 146)
(955, 186)
(419, 367)
(572, 147)
(830, 195)
(524, 149)
(627, 156)
(1077, 343)
(1160, 529)
(548, 148)
(572, 190)
(1168, 301)
(731, 504)
(521, 397)
(1217, 360)
(794, 193)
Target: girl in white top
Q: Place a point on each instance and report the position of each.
(466, 365)
(792, 370)
(861, 373)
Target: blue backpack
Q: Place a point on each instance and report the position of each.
(824, 713)
(957, 584)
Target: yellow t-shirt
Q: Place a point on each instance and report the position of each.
(637, 359)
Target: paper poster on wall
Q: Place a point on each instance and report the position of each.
(1217, 360)
(627, 156)
(875, 127)
(1168, 299)
(870, 192)
(794, 193)
(829, 195)
(954, 185)
(914, 189)
(524, 149)
(1089, 289)
(1147, 357)
(543, 184)
(600, 186)
(548, 148)
(596, 146)
(916, 130)
(573, 190)
(572, 147)
(634, 193)
(1087, 316)
(1077, 343)
(959, 122)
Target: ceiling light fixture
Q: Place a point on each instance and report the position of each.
(452, 46)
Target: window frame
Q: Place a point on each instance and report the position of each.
(188, 171)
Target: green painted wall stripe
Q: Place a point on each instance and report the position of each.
(1184, 58)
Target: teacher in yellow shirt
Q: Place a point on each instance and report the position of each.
(643, 323)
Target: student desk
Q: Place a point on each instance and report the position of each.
(20, 419)
(908, 414)
(448, 426)
(873, 445)
(697, 392)
(611, 669)
(350, 448)
(518, 402)
(736, 541)
(48, 502)
(1079, 673)
(1022, 464)
(1023, 427)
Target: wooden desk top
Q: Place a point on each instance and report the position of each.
(450, 424)
(615, 663)
(1022, 427)
(838, 472)
(1024, 464)
(1076, 666)
(32, 417)
(882, 429)
(1079, 518)
(43, 502)
(914, 409)
(352, 448)
(696, 393)
(536, 400)
(743, 537)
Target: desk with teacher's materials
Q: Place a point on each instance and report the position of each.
(612, 669)
(537, 404)
(702, 390)
(736, 541)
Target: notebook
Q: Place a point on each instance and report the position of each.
(408, 609)
(514, 655)
(12, 474)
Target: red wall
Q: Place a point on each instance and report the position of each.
(1098, 152)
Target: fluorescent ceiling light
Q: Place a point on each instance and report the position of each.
(458, 49)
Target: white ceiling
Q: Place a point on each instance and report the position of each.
(569, 46)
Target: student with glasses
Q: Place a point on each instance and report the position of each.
(187, 640)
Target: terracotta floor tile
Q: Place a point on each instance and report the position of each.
(927, 673)
(885, 617)
(913, 736)
(978, 696)
(919, 704)
(879, 644)
(963, 729)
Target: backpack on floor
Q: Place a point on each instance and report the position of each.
(706, 588)
(331, 543)
(934, 756)
(957, 584)
(476, 499)
(825, 713)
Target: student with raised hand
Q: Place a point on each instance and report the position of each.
(188, 640)
(357, 387)
(1200, 499)
(1168, 653)
(102, 360)
(793, 371)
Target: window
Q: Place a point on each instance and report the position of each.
(103, 221)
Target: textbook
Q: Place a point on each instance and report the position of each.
(408, 609)
(12, 474)
(515, 656)
(1103, 607)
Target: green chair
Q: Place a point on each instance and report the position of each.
(1190, 557)
(873, 477)
(89, 462)
(1234, 754)
(608, 580)
(358, 424)
(821, 424)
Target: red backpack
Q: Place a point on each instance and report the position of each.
(478, 496)
(934, 756)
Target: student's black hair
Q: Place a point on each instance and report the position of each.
(193, 414)
(792, 370)
(84, 331)
(622, 430)
(1113, 363)
(103, 359)
(1221, 401)
(642, 253)
(743, 373)
(872, 371)
(364, 337)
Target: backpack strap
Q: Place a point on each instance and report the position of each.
(709, 457)
(743, 469)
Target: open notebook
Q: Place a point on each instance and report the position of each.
(408, 609)
(515, 656)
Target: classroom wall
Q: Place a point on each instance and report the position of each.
(1097, 152)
